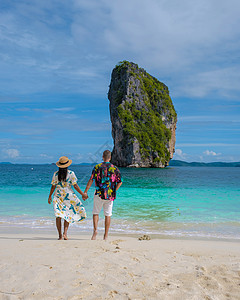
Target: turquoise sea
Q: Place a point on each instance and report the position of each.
(195, 202)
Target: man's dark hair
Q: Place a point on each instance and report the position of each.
(106, 154)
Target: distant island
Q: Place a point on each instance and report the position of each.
(180, 163)
(53, 164)
(173, 163)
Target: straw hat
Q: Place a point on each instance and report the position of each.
(64, 162)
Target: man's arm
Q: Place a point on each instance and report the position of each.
(118, 185)
(90, 181)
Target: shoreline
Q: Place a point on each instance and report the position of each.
(75, 232)
(228, 231)
(37, 266)
(87, 236)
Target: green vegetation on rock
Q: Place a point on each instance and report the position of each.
(146, 125)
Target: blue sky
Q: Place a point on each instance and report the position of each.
(56, 59)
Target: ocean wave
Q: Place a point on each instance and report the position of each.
(228, 230)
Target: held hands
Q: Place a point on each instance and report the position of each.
(84, 196)
(49, 200)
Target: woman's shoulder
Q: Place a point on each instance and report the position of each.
(70, 172)
(55, 173)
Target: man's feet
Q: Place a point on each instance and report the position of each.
(65, 237)
(94, 235)
(60, 237)
(105, 237)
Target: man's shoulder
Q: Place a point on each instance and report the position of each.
(97, 166)
(109, 166)
(113, 168)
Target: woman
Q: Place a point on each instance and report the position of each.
(67, 206)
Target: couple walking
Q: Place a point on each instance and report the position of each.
(68, 206)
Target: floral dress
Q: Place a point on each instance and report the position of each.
(66, 203)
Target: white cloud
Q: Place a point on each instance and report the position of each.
(210, 118)
(172, 35)
(46, 156)
(12, 153)
(64, 109)
(72, 46)
(180, 155)
(211, 153)
(47, 122)
(167, 39)
(205, 156)
(207, 145)
(79, 156)
(183, 43)
(223, 82)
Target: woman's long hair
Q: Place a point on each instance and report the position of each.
(62, 174)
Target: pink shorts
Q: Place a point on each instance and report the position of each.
(98, 203)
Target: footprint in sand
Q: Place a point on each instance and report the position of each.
(112, 293)
(209, 282)
(200, 271)
(116, 242)
(136, 259)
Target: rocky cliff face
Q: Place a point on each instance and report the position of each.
(143, 118)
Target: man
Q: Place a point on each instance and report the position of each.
(107, 181)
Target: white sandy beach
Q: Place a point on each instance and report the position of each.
(37, 266)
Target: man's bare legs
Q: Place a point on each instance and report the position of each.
(59, 227)
(107, 225)
(95, 225)
(66, 225)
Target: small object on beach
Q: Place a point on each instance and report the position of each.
(20, 240)
(117, 247)
(50, 267)
(145, 237)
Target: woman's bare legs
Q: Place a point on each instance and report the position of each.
(59, 227)
(66, 225)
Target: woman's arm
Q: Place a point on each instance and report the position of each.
(84, 195)
(50, 194)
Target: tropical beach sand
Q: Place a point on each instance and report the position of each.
(37, 266)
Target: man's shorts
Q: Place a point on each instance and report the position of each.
(98, 203)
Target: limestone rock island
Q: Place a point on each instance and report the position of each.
(143, 118)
